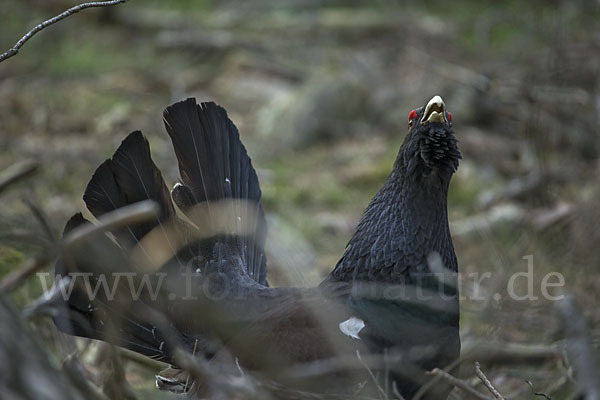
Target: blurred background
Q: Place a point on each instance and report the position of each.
(321, 92)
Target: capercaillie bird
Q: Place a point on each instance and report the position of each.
(391, 298)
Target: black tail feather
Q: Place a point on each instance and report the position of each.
(128, 177)
(214, 165)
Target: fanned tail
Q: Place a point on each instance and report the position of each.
(128, 177)
(217, 176)
(217, 179)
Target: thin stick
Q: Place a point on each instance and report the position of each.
(239, 367)
(544, 395)
(188, 377)
(458, 383)
(15, 49)
(487, 382)
(16, 172)
(142, 360)
(41, 217)
(579, 349)
(133, 213)
(381, 391)
(507, 353)
(77, 377)
(504, 353)
(396, 391)
(13, 280)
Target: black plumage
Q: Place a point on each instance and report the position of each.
(214, 166)
(219, 245)
(128, 177)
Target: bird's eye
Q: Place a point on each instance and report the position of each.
(412, 117)
(449, 116)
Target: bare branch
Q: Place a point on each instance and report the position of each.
(383, 395)
(579, 348)
(17, 172)
(144, 361)
(133, 213)
(41, 216)
(487, 382)
(544, 395)
(13, 280)
(187, 381)
(501, 353)
(507, 353)
(15, 49)
(458, 383)
(76, 374)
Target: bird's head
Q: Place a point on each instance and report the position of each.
(430, 146)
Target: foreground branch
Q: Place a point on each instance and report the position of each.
(458, 383)
(124, 216)
(15, 49)
(579, 348)
(17, 172)
(486, 382)
(14, 279)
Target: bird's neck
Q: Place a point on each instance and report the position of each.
(404, 224)
(419, 215)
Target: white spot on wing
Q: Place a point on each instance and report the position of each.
(227, 180)
(352, 326)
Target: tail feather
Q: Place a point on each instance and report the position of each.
(213, 163)
(128, 177)
(215, 170)
(215, 166)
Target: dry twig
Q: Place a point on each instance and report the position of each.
(396, 391)
(15, 49)
(77, 376)
(506, 353)
(458, 383)
(187, 381)
(16, 172)
(133, 213)
(139, 359)
(40, 215)
(487, 383)
(498, 353)
(13, 280)
(27, 368)
(115, 385)
(579, 349)
(381, 391)
(544, 395)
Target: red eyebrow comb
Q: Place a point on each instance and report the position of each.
(413, 114)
